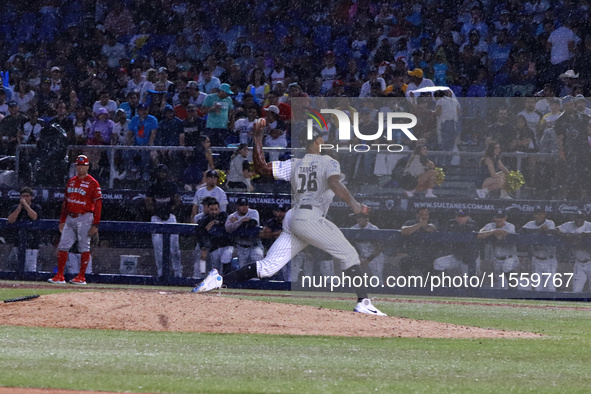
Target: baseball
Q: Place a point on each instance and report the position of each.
(262, 122)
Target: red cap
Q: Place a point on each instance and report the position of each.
(82, 161)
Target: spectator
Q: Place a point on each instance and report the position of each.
(417, 80)
(239, 174)
(114, 51)
(258, 87)
(505, 260)
(447, 111)
(208, 83)
(11, 129)
(491, 172)
(210, 190)
(502, 131)
(143, 128)
(131, 105)
(581, 105)
(543, 255)
(243, 127)
(162, 201)
(284, 108)
(64, 120)
(170, 129)
(46, 98)
(372, 76)
(82, 125)
(24, 96)
(137, 81)
(32, 128)
(219, 109)
(196, 97)
(419, 251)
(576, 233)
(106, 103)
(569, 80)
(462, 259)
(276, 130)
(243, 225)
(423, 169)
(3, 103)
(561, 45)
(573, 146)
(26, 211)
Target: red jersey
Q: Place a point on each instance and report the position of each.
(81, 194)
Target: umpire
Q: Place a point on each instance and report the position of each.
(162, 199)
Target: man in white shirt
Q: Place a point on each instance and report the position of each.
(418, 80)
(561, 44)
(576, 233)
(505, 260)
(210, 190)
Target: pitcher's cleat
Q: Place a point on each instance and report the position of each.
(212, 281)
(365, 306)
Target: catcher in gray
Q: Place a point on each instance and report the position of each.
(315, 180)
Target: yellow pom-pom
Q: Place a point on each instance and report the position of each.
(251, 169)
(514, 181)
(222, 177)
(439, 176)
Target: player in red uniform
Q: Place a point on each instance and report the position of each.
(79, 220)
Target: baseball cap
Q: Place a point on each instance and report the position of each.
(191, 107)
(580, 213)
(273, 108)
(12, 103)
(242, 201)
(579, 97)
(142, 106)
(82, 161)
(568, 99)
(212, 173)
(122, 70)
(46, 80)
(193, 84)
(162, 70)
(500, 214)
(461, 212)
(538, 208)
(168, 107)
(417, 72)
(161, 168)
(55, 68)
(226, 88)
(101, 111)
(280, 207)
(336, 83)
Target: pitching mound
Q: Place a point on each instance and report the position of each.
(152, 311)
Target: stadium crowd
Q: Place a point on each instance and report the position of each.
(178, 73)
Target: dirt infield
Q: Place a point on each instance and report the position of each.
(167, 311)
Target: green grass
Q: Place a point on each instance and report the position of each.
(191, 362)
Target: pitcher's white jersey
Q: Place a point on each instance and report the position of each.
(309, 181)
